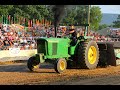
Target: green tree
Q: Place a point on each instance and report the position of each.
(117, 22)
(42, 10)
(70, 17)
(95, 17)
(29, 11)
(50, 13)
(80, 14)
(4, 9)
(102, 26)
(74, 14)
(81, 17)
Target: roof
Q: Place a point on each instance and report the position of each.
(105, 31)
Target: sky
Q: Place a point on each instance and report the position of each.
(115, 9)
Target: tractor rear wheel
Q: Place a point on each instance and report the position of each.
(88, 55)
(60, 65)
(33, 64)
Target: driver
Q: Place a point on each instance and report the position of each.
(73, 35)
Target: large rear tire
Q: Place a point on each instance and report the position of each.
(33, 64)
(60, 65)
(88, 55)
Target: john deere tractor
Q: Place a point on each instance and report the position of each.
(60, 52)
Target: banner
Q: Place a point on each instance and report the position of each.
(14, 51)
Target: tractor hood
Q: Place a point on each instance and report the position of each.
(51, 39)
(53, 47)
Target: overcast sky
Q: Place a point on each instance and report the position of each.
(110, 8)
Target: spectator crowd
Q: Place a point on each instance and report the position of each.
(13, 37)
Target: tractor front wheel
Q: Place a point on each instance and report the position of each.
(33, 64)
(60, 65)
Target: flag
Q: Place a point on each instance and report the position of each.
(46, 23)
(28, 23)
(49, 22)
(39, 22)
(9, 19)
(1, 19)
(36, 21)
(14, 19)
(24, 21)
(17, 19)
(43, 21)
(20, 20)
(6, 19)
(31, 23)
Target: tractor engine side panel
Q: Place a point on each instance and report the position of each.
(58, 48)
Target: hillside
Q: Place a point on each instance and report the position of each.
(108, 18)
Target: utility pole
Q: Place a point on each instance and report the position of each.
(88, 18)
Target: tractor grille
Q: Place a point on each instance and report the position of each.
(41, 46)
(54, 49)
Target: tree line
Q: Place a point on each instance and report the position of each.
(74, 14)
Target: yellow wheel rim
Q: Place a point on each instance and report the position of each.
(92, 55)
(36, 66)
(62, 65)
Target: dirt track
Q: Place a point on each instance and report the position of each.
(18, 74)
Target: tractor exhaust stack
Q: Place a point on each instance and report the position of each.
(59, 11)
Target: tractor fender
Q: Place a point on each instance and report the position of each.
(40, 57)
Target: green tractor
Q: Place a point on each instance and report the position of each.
(59, 51)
